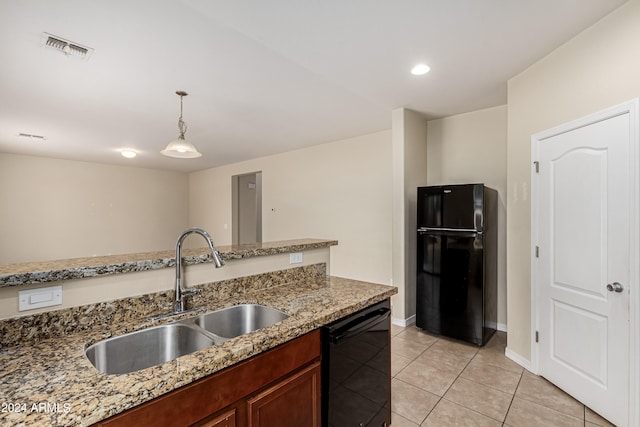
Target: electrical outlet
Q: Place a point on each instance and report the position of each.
(38, 298)
(295, 258)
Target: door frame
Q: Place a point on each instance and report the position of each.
(632, 108)
(235, 206)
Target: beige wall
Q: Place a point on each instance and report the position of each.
(339, 190)
(470, 148)
(107, 288)
(53, 209)
(597, 69)
(409, 172)
(63, 209)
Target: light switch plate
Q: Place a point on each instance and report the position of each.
(38, 298)
(295, 258)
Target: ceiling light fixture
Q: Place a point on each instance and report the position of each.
(67, 47)
(420, 69)
(129, 154)
(180, 148)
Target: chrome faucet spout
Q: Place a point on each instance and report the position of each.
(180, 292)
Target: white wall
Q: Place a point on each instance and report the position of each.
(339, 190)
(55, 209)
(470, 148)
(597, 69)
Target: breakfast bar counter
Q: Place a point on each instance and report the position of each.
(29, 273)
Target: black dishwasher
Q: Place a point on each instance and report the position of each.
(356, 369)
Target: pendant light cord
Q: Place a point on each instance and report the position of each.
(182, 126)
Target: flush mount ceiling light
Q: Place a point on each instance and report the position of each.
(420, 69)
(180, 147)
(129, 154)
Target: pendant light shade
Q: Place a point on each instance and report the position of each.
(181, 148)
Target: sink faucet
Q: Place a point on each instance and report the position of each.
(178, 306)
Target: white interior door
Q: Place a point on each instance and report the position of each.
(582, 273)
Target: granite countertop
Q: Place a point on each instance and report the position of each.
(52, 383)
(77, 268)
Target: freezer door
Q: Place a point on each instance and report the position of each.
(449, 285)
(451, 207)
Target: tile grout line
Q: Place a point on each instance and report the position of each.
(530, 400)
(491, 386)
(437, 339)
(547, 407)
(485, 385)
(445, 392)
(413, 360)
(459, 375)
(504, 422)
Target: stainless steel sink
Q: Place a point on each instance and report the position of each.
(239, 319)
(156, 345)
(146, 348)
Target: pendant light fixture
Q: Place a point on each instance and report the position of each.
(180, 147)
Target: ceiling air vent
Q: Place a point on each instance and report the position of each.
(31, 136)
(67, 47)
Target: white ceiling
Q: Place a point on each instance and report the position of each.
(263, 77)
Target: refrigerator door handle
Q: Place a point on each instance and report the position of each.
(448, 230)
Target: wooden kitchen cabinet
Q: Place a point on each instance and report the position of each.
(293, 402)
(275, 388)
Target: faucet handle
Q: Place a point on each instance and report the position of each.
(189, 292)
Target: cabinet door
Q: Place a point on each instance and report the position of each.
(293, 402)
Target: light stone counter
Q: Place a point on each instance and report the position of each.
(46, 379)
(29, 273)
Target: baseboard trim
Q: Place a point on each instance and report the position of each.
(502, 327)
(526, 364)
(404, 322)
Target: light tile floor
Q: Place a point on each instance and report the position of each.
(442, 382)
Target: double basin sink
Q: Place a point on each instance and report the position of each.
(159, 344)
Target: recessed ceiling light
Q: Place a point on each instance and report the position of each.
(129, 154)
(420, 69)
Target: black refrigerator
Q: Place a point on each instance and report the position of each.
(456, 283)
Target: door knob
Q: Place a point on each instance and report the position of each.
(615, 287)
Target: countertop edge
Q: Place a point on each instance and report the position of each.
(79, 268)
